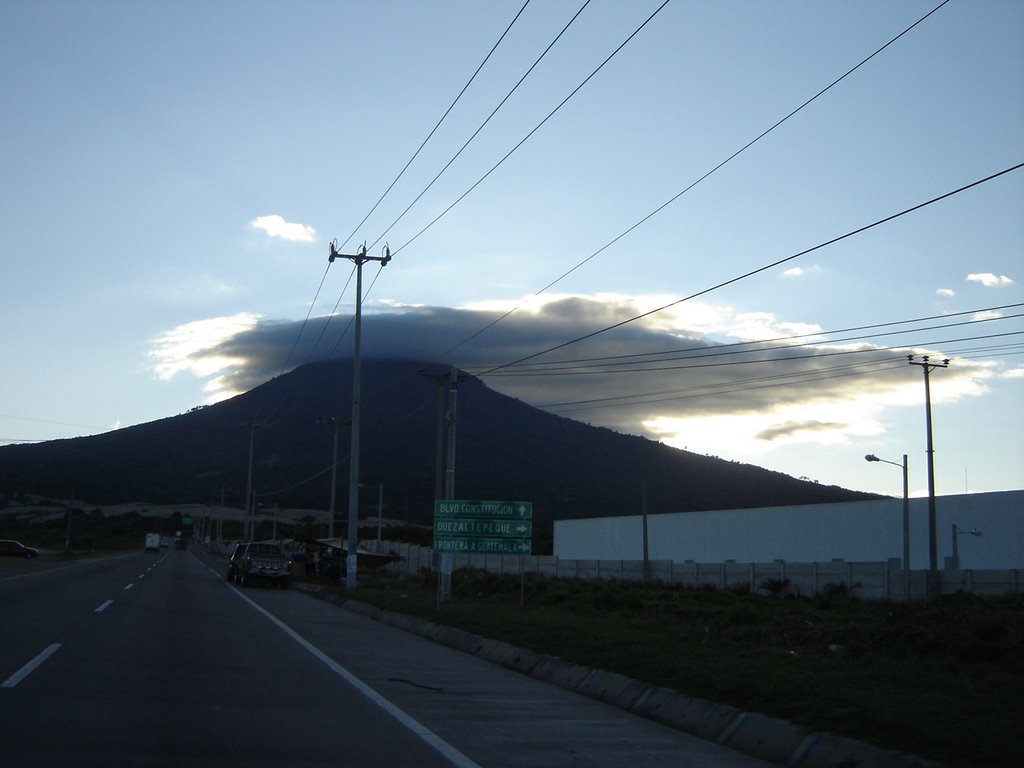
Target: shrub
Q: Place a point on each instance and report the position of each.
(775, 587)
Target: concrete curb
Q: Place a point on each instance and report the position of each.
(776, 741)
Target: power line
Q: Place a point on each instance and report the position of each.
(535, 129)
(693, 184)
(781, 379)
(801, 358)
(483, 124)
(434, 130)
(815, 334)
(263, 403)
(375, 205)
(718, 388)
(764, 268)
(622, 361)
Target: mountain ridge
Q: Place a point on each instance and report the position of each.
(505, 449)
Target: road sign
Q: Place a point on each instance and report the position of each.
(452, 527)
(483, 509)
(481, 546)
(483, 527)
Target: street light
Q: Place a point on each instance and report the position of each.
(957, 531)
(906, 514)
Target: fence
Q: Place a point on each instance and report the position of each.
(869, 581)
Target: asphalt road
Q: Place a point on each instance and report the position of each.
(155, 660)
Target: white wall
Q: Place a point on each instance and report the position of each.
(863, 531)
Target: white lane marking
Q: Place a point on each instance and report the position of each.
(104, 607)
(128, 587)
(432, 739)
(25, 671)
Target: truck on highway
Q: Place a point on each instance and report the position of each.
(260, 561)
(152, 542)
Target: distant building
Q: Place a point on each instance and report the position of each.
(860, 531)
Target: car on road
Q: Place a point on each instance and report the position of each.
(262, 561)
(11, 548)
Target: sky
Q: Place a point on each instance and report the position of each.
(676, 220)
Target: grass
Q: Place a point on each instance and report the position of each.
(940, 679)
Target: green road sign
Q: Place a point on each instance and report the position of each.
(483, 546)
(483, 509)
(483, 527)
(449, 527)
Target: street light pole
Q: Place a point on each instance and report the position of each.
(933, 544)
(906, 515)
(359, 258)
(957, 531)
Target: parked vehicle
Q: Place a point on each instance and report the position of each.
(262, 561)
(152, 542)
(11, 548)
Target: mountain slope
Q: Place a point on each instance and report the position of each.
(505, 449)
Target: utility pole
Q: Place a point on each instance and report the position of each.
(441, 379)
(250, 521)
(445, 583)
(336, 423)
(643, 512)
(933, 545)
(358, 258)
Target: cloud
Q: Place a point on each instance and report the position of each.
(276, 226)
(789, 428)
(988, 314)
(195, 347)
(989, 280)
(678, 376)
(945, 292)
(800, 271)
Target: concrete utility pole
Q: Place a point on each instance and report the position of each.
(445, 582)
(336, 423)
(441, 379)
(933, 545)
(358, 258)
(250, 520)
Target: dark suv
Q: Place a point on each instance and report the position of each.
(259, 561)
